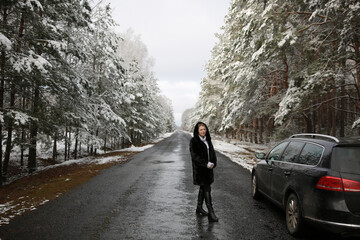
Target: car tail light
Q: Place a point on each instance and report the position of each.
(351, 186)
(338, 184)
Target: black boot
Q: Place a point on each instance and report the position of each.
(211, 215)
(199, 209)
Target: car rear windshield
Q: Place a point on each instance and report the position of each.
(346, 159)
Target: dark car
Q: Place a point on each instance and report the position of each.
(314, 178)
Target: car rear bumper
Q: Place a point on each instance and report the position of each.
(337, 224)
(345, 229)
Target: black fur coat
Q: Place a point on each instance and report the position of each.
(199, 156)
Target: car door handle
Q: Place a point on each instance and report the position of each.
(287, 173)
(270, 169)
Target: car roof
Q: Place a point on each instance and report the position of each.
(350, 140)
(326, 139)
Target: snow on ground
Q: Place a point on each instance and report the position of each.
(241, 153)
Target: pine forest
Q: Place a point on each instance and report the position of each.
(67, 76)
(283, 67)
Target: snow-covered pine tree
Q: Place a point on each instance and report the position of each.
(285, 67)
(38, 56)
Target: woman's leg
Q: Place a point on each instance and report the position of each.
(207, 194)
(199, 209)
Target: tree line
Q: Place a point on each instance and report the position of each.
(283, 67)
(67, 76)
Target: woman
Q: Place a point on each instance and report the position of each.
(203, 161)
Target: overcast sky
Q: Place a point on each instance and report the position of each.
(179, 35)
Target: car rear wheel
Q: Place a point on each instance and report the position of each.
(294, 221)
(254, 187)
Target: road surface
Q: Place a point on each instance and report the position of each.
(152, 197)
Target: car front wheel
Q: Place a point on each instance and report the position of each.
(294, 221)
(254, 187)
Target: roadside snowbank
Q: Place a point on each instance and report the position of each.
(241, 153)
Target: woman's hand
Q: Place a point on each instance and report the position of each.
(210, 165)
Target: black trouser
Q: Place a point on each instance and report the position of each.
(203, 191)
(206, 191)
(205, 188)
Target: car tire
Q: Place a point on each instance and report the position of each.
(254, 187)
(294, 220)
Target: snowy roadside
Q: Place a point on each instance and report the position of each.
(89, 159)
(242, 153)
(13, 208)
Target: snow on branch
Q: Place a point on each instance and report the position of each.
(30, 4)
(288, 104)
(4, 41)
(313, 24)
(356, 124)
(304, 13)
(32, 60)
(19, 117)
(288, 36)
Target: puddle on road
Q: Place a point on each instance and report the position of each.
(159, 162)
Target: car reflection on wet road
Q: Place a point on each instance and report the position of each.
(152, 197)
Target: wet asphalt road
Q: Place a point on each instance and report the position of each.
(152, 197)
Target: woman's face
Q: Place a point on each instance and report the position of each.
(202, 131)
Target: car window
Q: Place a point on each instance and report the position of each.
(347, 158)
(292, 151)
(276, 151)
(311, 154)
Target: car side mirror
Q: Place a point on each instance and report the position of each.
(260, 156)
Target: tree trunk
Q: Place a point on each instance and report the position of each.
(342, 109)
(3, 59)
(105, 144)
(33, 131)
(65, 144)
(357, 54)
(76, 143)
(9, 135)
(22, 146)
(241, 137)
(54, 155)
(307, 123)
(69, 144)
(334, 114)
(97, 134)
(255, 130)
(260, 121)
(245, 132)
(320, 114)
(328, 114)
(23, 135)
(270, 126)
(286, 72)
(313, 118)
(238, 133)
